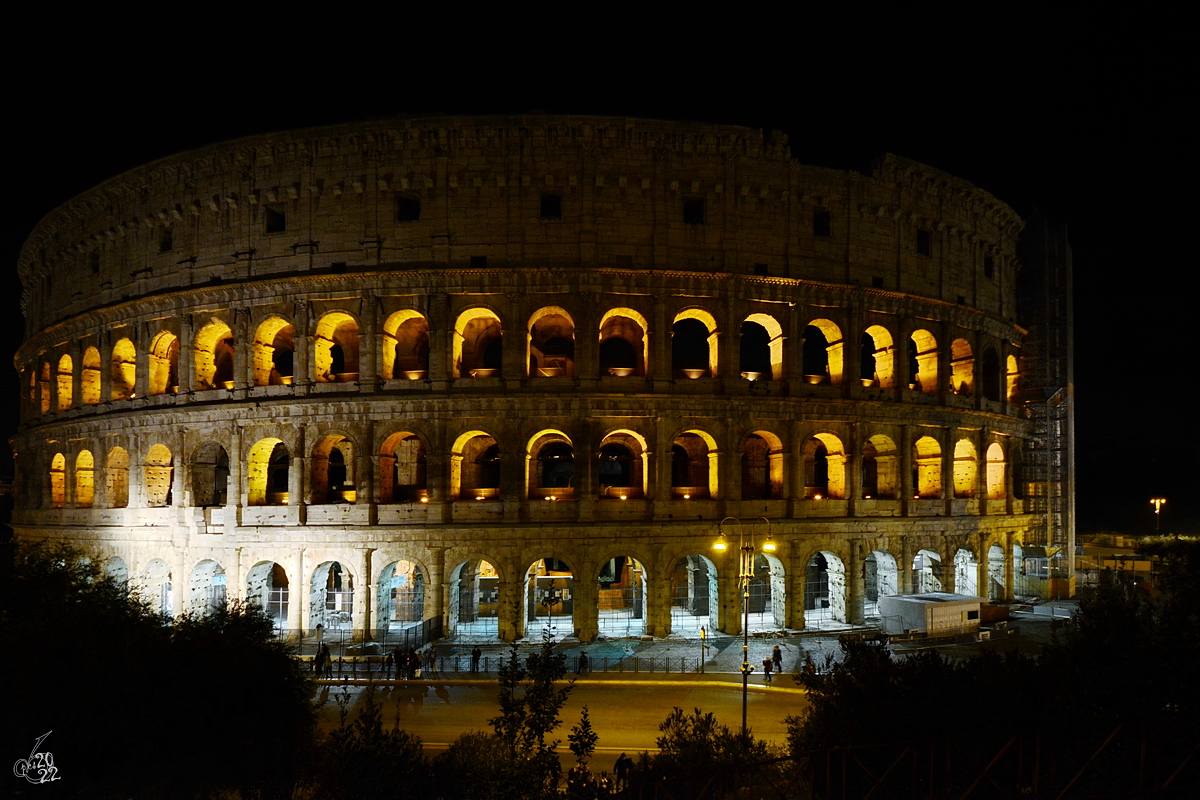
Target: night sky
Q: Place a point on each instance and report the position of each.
(1082, 121)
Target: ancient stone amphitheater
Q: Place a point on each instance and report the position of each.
(507, 373)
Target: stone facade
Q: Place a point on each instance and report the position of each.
(442, 363)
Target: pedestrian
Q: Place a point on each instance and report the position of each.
(582, 669)
(767, 665)
(809, 666)
(476, 654)
(431, 667)
(777, 657)
(622, 768)
(396, 660)
(416, 665)
(317, 665)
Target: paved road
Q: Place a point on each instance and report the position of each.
(625, 714)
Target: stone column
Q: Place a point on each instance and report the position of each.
(906, 460)
(186, 368)
(585, 482)
(855, 587)
(440, 340)
(949, 436)
(364, 600)
(437, 589)
(660, 342)
(853, 470)
(299, 597)
(302, 359)
(369, 345)
(587, 340)
(981, 470)
(904, 568)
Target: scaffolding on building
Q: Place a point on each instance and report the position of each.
(1047, 373)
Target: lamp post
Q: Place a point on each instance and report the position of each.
(745, 574)
(1158, 503)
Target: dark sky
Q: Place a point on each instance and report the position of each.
(1082, 120)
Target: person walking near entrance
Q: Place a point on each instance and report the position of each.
(767, 665)
(777, 659)
(431, 667)
(582, 669)
(476, 654)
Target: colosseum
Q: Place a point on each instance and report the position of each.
(493, 374)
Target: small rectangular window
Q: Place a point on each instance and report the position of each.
(478, 262)
(275, 219)
(821, 223)
(924, 243)
(989, 266)
(166, 240)
(408, 209)
(972, 615)
(876, 282)
(551, 207)
(761, 269)
(693, 211)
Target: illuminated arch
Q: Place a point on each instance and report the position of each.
(58, 480)
(550, 466)
(478, 344)
(214, 356)
(881, 578)
(116, 478)
(90, 377)
(333, 471)
(267, 586)
(66, 382)
(695, 594)
(401, 596)
(966, 572)
(624, 343)
(274, 352)
(621, 594)
(210, 475)
(405, 351)
(267, 473)
(694, 465)
(475, 467)
(774, 345)
(923, 361)
(85, 479)
(154, 586)
(474, 602)
(331, 596)
(159, 472)
(335, 349)
(926, 571)
(124, 369)
(880, 468)
(164, 364)
(402, 469)
(879, 357)
(824, 351)
(207, 588)
(824, 467)
(762, 466)
(683, 337)
(550, 343)
(962, 367)
(965, 468)
(825, 590)
(927, 467)
(1012, 379)
(995, 471)
(623, 465)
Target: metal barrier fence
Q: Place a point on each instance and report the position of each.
(351, 641)
(380, 667)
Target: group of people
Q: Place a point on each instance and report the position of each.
(408, 662)
(774, 663)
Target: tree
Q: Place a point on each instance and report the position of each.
(362, 759)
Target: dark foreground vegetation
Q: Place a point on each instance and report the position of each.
(214, 706)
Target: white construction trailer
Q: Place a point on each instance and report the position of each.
(931, 613)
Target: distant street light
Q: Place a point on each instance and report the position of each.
(1158, 503)
(745, 573)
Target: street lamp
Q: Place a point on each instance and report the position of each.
(745, 573)
(1158, 503)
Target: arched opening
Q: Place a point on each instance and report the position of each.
(995, 471)
(995, 573)
(624, 346)
(966, 573)
(474, 600)
(962, 367)
(402, 471)
(66, 382)
(694, 344)
(991, 375)
(405, 346)
(154, 586)
(927, 468)
(274, 352)
(335, 349)
(824, 468)
(159, 472)
(124, 369)
(621, 589)
(923, 361)
(267, 473)
(90, 378)
(824, 590)
(926, 572)
(762, 466)
(164, 364)
(878, 358)
(331, 597)
(85, 479)
(694, 466)
(823, 352)
(118, 572)
(214, 356)
(475, 467)
(478, 344)
(333, 471)
(207, 588)
(694, 595)
(965, 468)
(400, 599)
(267, 588)
(58, 480)
(549, 605)
(210, 475)
(551, 343)
(761, 348)
(1012, 379)
(621, 468)
(768, 592)
(880, 469)
(881, 578)
(551, 467)
(116, 478)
